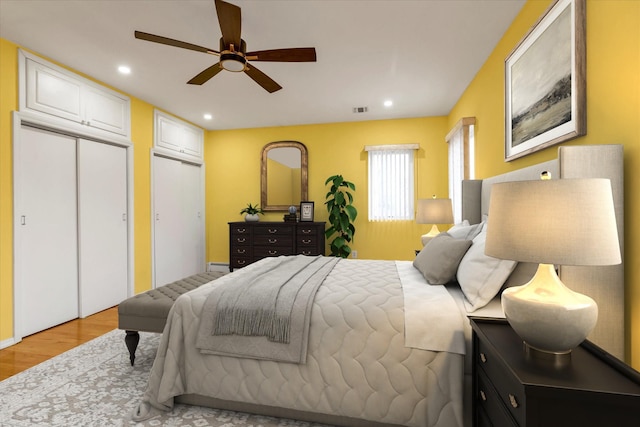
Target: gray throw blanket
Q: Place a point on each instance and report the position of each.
(265, 313)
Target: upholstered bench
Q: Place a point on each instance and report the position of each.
(148, 311)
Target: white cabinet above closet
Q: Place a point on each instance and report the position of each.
(48, 89)
(178, 136)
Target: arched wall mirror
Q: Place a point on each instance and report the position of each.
(283, 178)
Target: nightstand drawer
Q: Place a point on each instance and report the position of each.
(491, 406)
(507, 387)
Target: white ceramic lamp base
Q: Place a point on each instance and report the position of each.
(547, 315)
(425, 238)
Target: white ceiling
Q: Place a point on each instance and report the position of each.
(421, 54)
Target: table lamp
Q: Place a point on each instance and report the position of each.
(433, 211)
(561, 222)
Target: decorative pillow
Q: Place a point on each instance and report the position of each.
(465, 231)
(439, 259)
(522, 274)
(481, 276)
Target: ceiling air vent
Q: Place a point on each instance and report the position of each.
(360, 109)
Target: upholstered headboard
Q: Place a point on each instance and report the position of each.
(604, 284)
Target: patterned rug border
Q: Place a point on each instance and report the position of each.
(95, 385)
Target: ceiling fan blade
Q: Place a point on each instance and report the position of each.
(171, 42)
(229, 17)
(205, 75)
(262, 79)
(296, 54)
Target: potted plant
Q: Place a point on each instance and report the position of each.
(251, 213)
(342, 214)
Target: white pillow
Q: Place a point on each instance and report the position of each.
(481, 276)
(464, 230)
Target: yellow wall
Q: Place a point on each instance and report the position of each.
(233, 176)
(613, 117)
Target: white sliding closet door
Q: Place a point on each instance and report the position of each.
(102, 198)
(46, 230)
(178, 222)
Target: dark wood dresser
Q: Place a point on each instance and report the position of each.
(512, 388)
(252, 241)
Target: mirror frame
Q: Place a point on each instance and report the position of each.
(304, 179)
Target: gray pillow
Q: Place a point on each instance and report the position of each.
(438, 260)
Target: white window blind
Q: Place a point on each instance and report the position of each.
(461, 161)
(391, 182)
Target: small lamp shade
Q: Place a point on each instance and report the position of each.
(433, 211)
(563, 222)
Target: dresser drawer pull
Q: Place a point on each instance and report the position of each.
(306, 231)
(306, 241)
(273, 230)
(241, 240)
(241, 230)
(306, 252)
(241, 251)
(241, 262)
(273, 252)
(483, 358)
(273, 240)
(513, 401)
(483, 396)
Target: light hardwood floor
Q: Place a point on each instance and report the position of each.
(44, 345)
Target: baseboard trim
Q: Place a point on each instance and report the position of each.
(8, 342)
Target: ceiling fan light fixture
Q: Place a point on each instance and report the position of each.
(232, 62)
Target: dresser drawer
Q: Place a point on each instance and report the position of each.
(491, 408)
(239, 261)
(267, 251)
(240, 240)
(240, 229)
(273, 240)
(507, 387)
(273, 230)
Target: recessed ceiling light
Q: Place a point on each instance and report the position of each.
(388, 103)
(123, 69)
(208, 116)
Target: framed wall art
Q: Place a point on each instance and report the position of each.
(545, 82)
(306, 211)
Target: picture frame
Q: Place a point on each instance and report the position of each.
(306, 211)
(545, 82)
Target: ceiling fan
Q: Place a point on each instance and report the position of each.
(232, 53)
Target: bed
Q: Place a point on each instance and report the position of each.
(383, 347)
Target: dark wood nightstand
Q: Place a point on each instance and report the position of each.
(512, 388)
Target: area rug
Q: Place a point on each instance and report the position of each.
(95, 385)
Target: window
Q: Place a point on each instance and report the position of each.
(461, 161)
(391, 182)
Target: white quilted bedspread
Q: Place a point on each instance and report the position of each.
(357, 364)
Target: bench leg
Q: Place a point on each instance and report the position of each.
(131, 340)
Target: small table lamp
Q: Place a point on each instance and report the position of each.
(433, 211)
(563, 222)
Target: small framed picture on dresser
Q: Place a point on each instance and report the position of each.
(306, 211)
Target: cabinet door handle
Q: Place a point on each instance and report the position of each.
(273, 240)
(483, 396)
(513, 400)
(273, 230)
(23, 220)
(483, 358)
